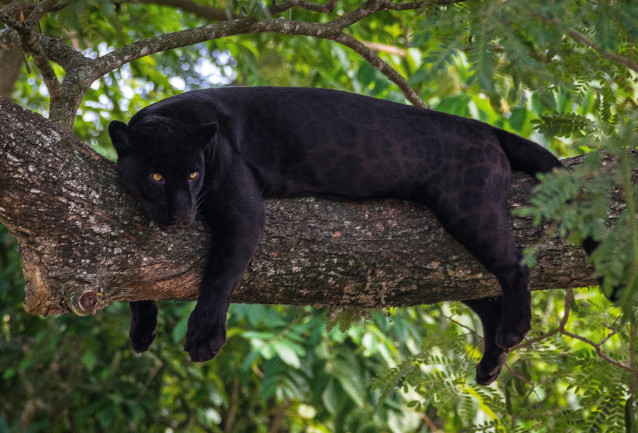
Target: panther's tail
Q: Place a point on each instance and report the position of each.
(525, 155)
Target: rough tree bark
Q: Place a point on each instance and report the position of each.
(84, 244)
(10, 64)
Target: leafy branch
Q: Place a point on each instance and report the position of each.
(561, 329)
(82, 72)
(583, 39)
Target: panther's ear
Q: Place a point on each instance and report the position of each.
(206, 132)
(121, 136)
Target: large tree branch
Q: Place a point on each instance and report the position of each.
(84, 245)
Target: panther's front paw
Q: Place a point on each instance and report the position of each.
(205, 335)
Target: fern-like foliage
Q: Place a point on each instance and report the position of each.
(345, 318)
(564, 125)
(438, 380)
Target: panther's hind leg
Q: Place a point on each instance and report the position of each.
(507, 319)
(496, 250)
(517, 305)
(477, 217)
(489, 311)
(143, 324)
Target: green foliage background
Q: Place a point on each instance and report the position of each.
(512, 64)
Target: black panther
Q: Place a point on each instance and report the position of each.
(221, 152)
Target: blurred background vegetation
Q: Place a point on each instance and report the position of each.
(563, 73)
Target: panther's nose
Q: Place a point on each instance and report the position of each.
(179, 208)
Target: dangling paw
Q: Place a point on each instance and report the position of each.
(205, 335)
(489, 369)
(143, 325)
(141, 340)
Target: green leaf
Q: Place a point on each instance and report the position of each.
(366, 74)
(286, 353)
(105, 416)
(179, 330)
(350, 381)
(332, 398)
(518, 117)
(89, 360)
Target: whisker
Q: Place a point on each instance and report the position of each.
(200, 199)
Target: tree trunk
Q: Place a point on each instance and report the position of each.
(84, 244)
(10, 64)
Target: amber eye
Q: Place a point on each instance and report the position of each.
(157, 177)
(193, 175)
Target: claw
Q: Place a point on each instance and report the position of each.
(483, 378)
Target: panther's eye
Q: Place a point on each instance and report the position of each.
(157, 177)
(193, 175)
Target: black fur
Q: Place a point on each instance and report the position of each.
(247, 144)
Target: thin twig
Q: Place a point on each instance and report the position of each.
(39, 11)
(560, 329)
(233, 404)
(302, 4)
(371, 57)
(569, 296)
(14, 8)
(385, 48)
(397, 6)
(428, 422)
(583, 39)
(611, 334)
(456, 322)
(521, 378)
(151, 375)
(599, 351)
(198, 9)
(356, 15)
